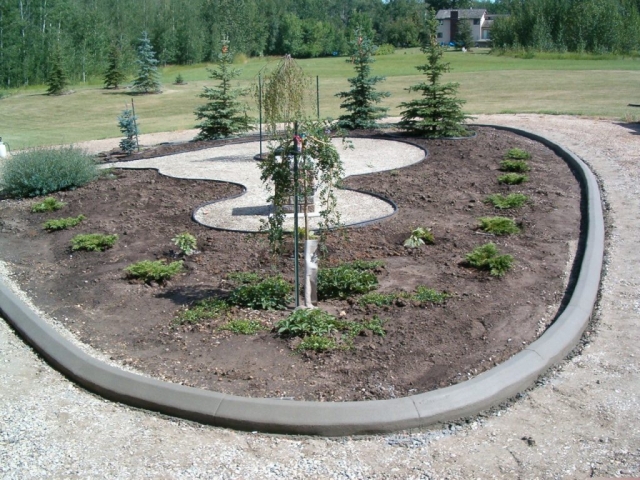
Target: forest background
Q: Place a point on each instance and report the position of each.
(185, 32)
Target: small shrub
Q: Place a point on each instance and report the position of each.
(243, 278)
(62, 223)
(272, 293)
(179, 79)
(418, 237)
(378, 299)
(93, 242)
(517, 154)
(512, 178)
(203, 310)
(186, 242)
(513, 200)
(243, 327)
(317, 344)
(375, 325)
(49, 204)
(486, 257)
(429, 295)
(498, 225)
(365, 264)
(517, 166)
(344, 281)
(385, 49)
(158, 271)
(308, 322)
(46, 170)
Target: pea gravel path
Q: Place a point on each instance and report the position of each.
(582, 420)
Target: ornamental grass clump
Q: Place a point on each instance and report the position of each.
(273, 293)
(512, 178)
(49, 204)
(93, 242)
(486, 257)
(502, 202)
(62, 223)
(46, 170)
(158, 271)
(498, 225)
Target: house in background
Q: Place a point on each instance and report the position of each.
(481, 23)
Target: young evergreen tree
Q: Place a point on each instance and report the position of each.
(127, 122)
(56, 79)
(114, 75)
(438, 113)
(361, 101)
(148, 79)
(223, 115)
(464, 35)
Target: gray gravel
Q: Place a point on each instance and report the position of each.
(581, 421)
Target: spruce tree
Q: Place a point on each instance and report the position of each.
(464, 35)
(360, 102)
(56, 79)
(127, 122)
(148, 79)
(438, 113)
(223, 115)
(114, 75)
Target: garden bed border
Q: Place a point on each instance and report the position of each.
(342, 418)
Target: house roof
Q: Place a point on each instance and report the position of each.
(462, 13)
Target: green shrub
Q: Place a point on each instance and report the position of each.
(512, 178)
(418, 237)
(243, 327)
(513, 200)
(385, 49)
(304, 322)
(186, 242)
(378, 299)
(375, 325)
(49, 204)
(498, 225)
(344, 281)
(429, 295)
(486, 257)
(517, 166)
(269, 294)
(209, 308)
(93, 242)
(365, 264)
(243, 278)
(517, 154)
(158, 270)
(62, 223)
(46, 170)
(317, 344)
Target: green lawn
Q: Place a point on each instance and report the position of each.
(599, 86)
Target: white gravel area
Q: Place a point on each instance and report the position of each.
(235, 163)
(581, 421)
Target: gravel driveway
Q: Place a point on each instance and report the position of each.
(581, 421)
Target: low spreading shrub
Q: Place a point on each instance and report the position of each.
(186, 242)
(273, 293)
(498, 225)
(93, 242)
(512, 178)
(243, 278)
(49, 204)
(207, 309)
(501, 202)
(158, 271)
(62, 223)
(344, 281)
(306, 322)
(243, 327)
(517, 154)
(46, 170)
(517, 166)
(418, 237)
(486, 257)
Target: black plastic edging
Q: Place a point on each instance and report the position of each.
(346, 418)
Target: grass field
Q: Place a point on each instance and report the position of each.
(599, 86)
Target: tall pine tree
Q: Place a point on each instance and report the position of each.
(223, 115)
(361, 101)
(114, 75)
(57, 78)
(148, 79)
(438, 113)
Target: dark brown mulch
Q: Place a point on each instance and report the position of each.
(426, 346)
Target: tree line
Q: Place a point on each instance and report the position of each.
(183, 32)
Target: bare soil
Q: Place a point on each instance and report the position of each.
(485, 321)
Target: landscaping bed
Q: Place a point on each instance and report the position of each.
(483, 320)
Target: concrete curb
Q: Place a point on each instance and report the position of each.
(348, 418)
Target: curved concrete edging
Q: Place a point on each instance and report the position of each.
(348, 418)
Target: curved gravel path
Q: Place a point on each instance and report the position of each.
(581, 421)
